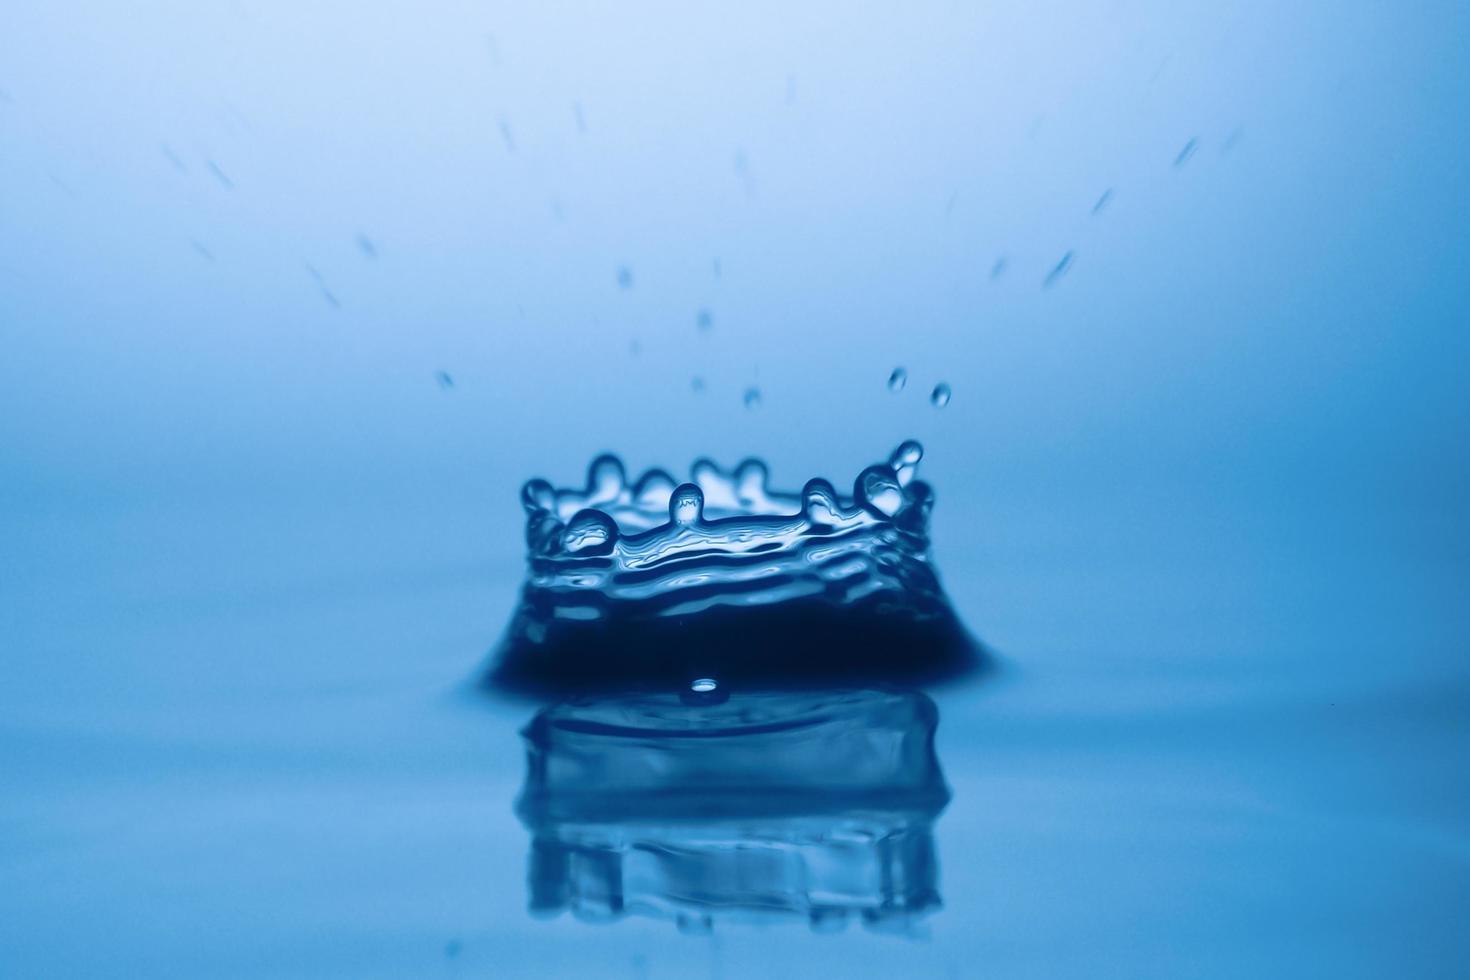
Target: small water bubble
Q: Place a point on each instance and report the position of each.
(704, 691)
(752, 397)
(704, 319)
(897, 380)
(625, 277)
(941, 395)
(444, 379)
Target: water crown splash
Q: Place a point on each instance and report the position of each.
(649, 582)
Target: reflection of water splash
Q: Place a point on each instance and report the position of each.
(764, 805)
(652, 581)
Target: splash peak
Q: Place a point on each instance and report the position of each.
(649, 581)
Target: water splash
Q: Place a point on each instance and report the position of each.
(648, 580)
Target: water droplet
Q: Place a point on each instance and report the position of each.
(1102, 201)
(1057, 271)
(696, 383)
(366, 246)
(654, 489)
(590, 532)
(536, 495)
(705, 474)
(877, 489)
(908, 453)
(704, 691)
(444, 379)
(998, 268)
(752, 397)
(1186, 153)
(220, 175)
(819, 502)
(750, 479)
(941, 395)
(625, 277)
(898, 380)
(905, 460)
(704, 319)
(686, 506)
(605, 478)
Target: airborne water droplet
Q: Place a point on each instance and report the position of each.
(704, 319)
(703, 685)
(1057, 271)
(940, 396)
(752, 397)
(897, 380)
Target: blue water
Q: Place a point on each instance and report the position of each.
(649, 582)
(293, 298)
(711, 809)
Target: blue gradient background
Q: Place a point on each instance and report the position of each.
(1205, 494)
